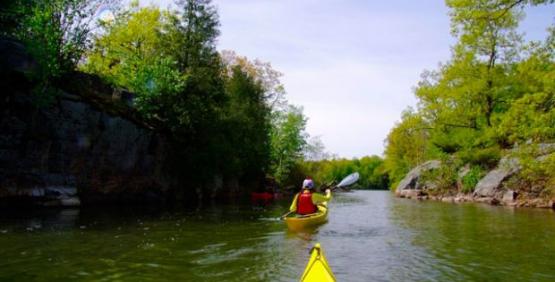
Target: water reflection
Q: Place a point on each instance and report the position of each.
(370, 236)
(471, 242)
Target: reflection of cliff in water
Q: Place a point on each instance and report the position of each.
(106, 217)
(36, 220)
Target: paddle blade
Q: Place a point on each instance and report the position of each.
(350, 179)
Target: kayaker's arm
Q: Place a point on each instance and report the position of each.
(319, 198)
(293, 206)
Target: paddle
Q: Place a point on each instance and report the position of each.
(285, 215)
(349, 180)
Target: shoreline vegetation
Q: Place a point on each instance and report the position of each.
(484, 125)
(114, 102)
(136, 102)
(210, 124)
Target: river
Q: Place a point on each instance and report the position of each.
(370, 236)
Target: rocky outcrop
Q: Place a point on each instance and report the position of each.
(411, 186)
(85, 145)
(490, 185)
(89, 145)
(493, 188)
(71, 146)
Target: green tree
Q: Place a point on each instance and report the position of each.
(56, 33)
(247, 125)
(198, 30)
(487, 43)
(132, 54)
(288, 139)
(407, 145)
(531, 118)
(495, 92)
(264, 74)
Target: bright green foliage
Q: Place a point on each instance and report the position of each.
(288, 139)
(407, 146)
(496, 92)
(470, 179)
(443, 179)
(56, 33)
(223, 114)
(485, 157)
(131, 54)
(325, 172)
(532, 117)
(216, 110)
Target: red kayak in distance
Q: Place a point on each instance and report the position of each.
(262, 196)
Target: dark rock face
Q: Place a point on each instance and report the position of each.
(89, 146)
(73, 147)
(13, 57)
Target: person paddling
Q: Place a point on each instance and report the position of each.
(305, 202)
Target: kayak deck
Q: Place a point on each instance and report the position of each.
(317, 269)
(296, 222)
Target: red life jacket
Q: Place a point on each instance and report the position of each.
(305, 205)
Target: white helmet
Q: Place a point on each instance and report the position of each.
(308, 183)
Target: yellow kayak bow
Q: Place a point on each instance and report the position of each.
(317, 269)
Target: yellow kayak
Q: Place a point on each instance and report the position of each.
(299, 222)
(317, 269)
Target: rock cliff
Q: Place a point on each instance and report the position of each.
(88, 145)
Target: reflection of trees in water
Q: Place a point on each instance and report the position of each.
(473, 242)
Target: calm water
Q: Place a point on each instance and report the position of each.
(370, 236)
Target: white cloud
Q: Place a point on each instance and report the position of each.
(351, 105)
(350, 64)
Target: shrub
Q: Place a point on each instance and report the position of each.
(472, 178)
(485, 157)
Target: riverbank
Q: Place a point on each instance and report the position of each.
(90, 146)
(510, 199)
(506, 184)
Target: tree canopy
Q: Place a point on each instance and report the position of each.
(495, 93)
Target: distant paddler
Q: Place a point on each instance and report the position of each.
(306, 201)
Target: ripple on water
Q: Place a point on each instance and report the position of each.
(370, 236)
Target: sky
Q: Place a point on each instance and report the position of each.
(351, 64)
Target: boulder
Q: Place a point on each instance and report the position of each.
(509, 197)
(70, 202)
(410, 193)
(14, 57)
(448, 199)
(546, 148)
(410, 182)
(490, 185)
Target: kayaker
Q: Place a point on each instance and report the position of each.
(305, 202)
